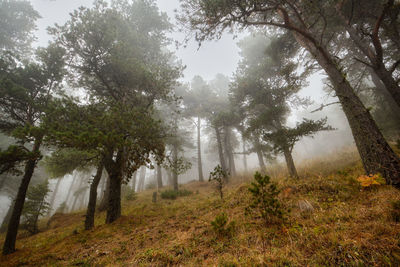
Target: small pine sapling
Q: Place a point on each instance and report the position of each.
(219, 176)
(264, 199)
(221, 226)
(35, 206)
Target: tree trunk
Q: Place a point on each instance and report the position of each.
(114, 198)
(12, 230)
(389, 82)
(175, 167)
(4, 224)
(159, 177)
(377, 156)
(81, 182)
(89, 221)
(104, 200)
(199, 162)
(71, 188)
(133, 183)
(53, 197)
(142, 178)
(290, 163)
(244, 153)
(257, 147)
(220, 149)
(229, 152)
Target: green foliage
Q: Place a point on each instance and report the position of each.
(172, 194)
(219, 176)
(35, 206)
(264, 199)
(395, 211)
(12, 158)
(221, 226)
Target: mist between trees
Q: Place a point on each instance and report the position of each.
(104, 111)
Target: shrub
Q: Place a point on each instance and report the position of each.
(172, 194)
(129, 193)
(218, 175)
(395, 212)
(371, 180)
(264, 199)
(221, 226)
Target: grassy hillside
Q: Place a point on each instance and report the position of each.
(347, 226)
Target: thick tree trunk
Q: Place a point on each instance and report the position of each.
(199, 161)
(114, 198)
(377, 156)
(290, 163)
(89, 221)
(175, 167)
(12, 230)
(220, 149)
(159, 177)
(53, 197)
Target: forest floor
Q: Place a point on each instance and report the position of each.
(347, 226)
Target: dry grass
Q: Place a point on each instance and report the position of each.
(348, 227)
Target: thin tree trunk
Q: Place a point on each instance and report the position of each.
(71, 188)
(220, 149)
(81, 182)
(244, 153)
(175, 167)
(159, 177)
(142, 178)
(4, 224)
(290, 163)
(104, 200)
(257, 147)
(89, 221)
(12, 230)
(199, 161)
(229, 151)
(133, 183)
(53, 197)
(377, 156)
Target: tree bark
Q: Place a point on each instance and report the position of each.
(114, 198)
(89, 221)
(159, 177)
(377, 156)
(290, 163)
(244, 153)
(220, 149)
(142, 178)
(199, 161)
(133, 183)
(104, 200)
(13, 225)
(229, 150)
(175, 167)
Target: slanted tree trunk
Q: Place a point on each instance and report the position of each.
(290, 163)
(199, 162)
(159, 177)
(220, 149)
(175, 167)
(89, 221)
(53, 197)
(13, 225)
(377, 156)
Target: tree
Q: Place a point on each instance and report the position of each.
(308, 22)
(35, 206)
(117, 55)
(17, 24)
(25, 93)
